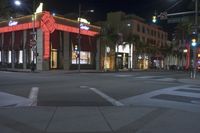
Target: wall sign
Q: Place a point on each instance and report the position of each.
(12, 23)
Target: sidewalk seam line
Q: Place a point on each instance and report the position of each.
(106, 120)
(51, 119)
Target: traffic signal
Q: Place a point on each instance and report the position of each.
(154, 19)
(194, 42)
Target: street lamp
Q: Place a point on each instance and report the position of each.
(195, 40)
(17, 3)
(79, 34)
(33, 41)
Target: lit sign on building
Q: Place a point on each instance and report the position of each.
(84, 27)
(83, 20)
(12, 23)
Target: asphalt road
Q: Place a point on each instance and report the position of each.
(86, 89)
(123, 102)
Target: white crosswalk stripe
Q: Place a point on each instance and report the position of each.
(183, 97)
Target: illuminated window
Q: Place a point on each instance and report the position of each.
(20, 56)
(9, 57)
(32, 56)
(85, 57)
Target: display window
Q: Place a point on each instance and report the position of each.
(85, 57)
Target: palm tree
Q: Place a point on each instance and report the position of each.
(111, 38)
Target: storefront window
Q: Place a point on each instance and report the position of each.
(20, 56)
(9, 56)
(85, 57)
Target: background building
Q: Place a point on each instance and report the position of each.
(136, 44)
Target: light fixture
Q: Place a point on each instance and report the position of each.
(17, 3)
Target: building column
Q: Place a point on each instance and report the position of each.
(24, 50)
(40, 60)
(1, 50)
(13, 51)
(98, 54)
(67, 51)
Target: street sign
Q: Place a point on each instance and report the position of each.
(33, 43)
(163, 15)
(33, 33)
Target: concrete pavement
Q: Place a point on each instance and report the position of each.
(135, 119)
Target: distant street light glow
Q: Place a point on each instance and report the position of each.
(18, 3)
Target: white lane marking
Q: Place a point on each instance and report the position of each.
(148, 77)
(122, 76)
(147, 100)
(33, 96)
(108, 98)
(166, 79)
(83, 86)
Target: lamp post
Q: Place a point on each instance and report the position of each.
(34, 46)
(194, 42)
(33, 41)
(79, 34)
(79, 37)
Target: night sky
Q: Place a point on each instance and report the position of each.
(143, 8)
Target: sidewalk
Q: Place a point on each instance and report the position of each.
(97, 120)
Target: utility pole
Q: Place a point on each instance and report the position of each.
(33, 41)
(79, 37)
(196, 32)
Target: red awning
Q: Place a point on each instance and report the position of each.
(7, 43)
(28, 38)
(55, 39)
(87, 43)
(18, 42)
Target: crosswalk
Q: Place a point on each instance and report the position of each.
(185, 97)
(155, 78)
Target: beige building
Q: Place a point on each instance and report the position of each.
(128, 55)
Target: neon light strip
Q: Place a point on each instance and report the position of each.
(19, 27)
(75, 30)
(46, 45)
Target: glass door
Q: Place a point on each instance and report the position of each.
(54, 59)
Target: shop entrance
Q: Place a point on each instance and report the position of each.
(54, 59)
(122, 61)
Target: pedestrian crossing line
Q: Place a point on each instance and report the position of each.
(106, 97)
(148, 77)
(169, 98)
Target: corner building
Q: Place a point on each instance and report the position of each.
(56, 45)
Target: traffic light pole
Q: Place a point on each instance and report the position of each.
(196, 32)
(164, 15)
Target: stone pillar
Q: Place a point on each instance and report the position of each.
(40, 60)
(1, 49)
(67, 51)
(24, 50)
(13, 54)
(98, 55)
